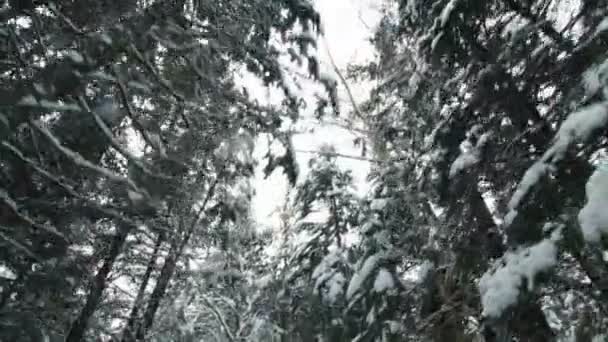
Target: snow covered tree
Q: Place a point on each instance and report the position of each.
(122, 130)
(505, 98)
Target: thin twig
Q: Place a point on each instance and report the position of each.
(218, 315)
(180, 98)
(341, 155)
(131, 113)
(67, 20)
(343, 80)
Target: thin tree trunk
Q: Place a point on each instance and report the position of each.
(167, 272)
(79, 326)
(159, 291)
(127, 334)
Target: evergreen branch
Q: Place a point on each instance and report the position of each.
(12, 204)
(108, 133)
(19, 245)
(92, 204)
(79, 160)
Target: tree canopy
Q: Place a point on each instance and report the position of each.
(127, 156)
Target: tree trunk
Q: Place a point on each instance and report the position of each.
(167, 271)
(127, 334)
(162, 284)
(79, 326)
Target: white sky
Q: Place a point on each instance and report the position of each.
(346, 26)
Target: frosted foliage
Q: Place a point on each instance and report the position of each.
(436, 40)
(327, 276)
(326, 264)
(335, 287)
(75, 56)
(603, 26)
(384, 281)
(463, 162)
(7, 273)
(514, 26)
(593, 218)
(470, 155)
(578, 127)
(362, 274)
(447, 12)
(508, 219)
(500, 289)
(135, 196)
(583, 123)
(532, 176)
(28, 100)
(378, 204)
(239, 147)
(327, 78)
(596, 77)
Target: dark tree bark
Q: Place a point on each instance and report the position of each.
(128, 333)
(162, 283)
(78, 328)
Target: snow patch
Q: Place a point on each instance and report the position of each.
(581, 124)
(447, 12)
(514, 26)
(378, 204)
(7, 273)
(463, 162)
(470, 155)
(532, 176)
(500, 289)
(595, 78)
(335, 287)
(75, 56)
(326, 264)
(362, 274)
(603, 26)
(593, 218)
(578, 127)
(384, 281)
(27, 100)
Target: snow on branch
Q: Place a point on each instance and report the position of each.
(593, 218)
(368, 267)
(470, 155)
(578, 127)
(12, 204)
(500, 288)
(220, 318)
(80, 161)
(108, 133)
(86, 202)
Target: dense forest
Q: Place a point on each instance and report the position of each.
(127, 158)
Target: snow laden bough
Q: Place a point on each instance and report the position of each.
(501, 286)
(593, 218)
(579, 127)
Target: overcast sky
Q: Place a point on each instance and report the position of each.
(346, 25)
